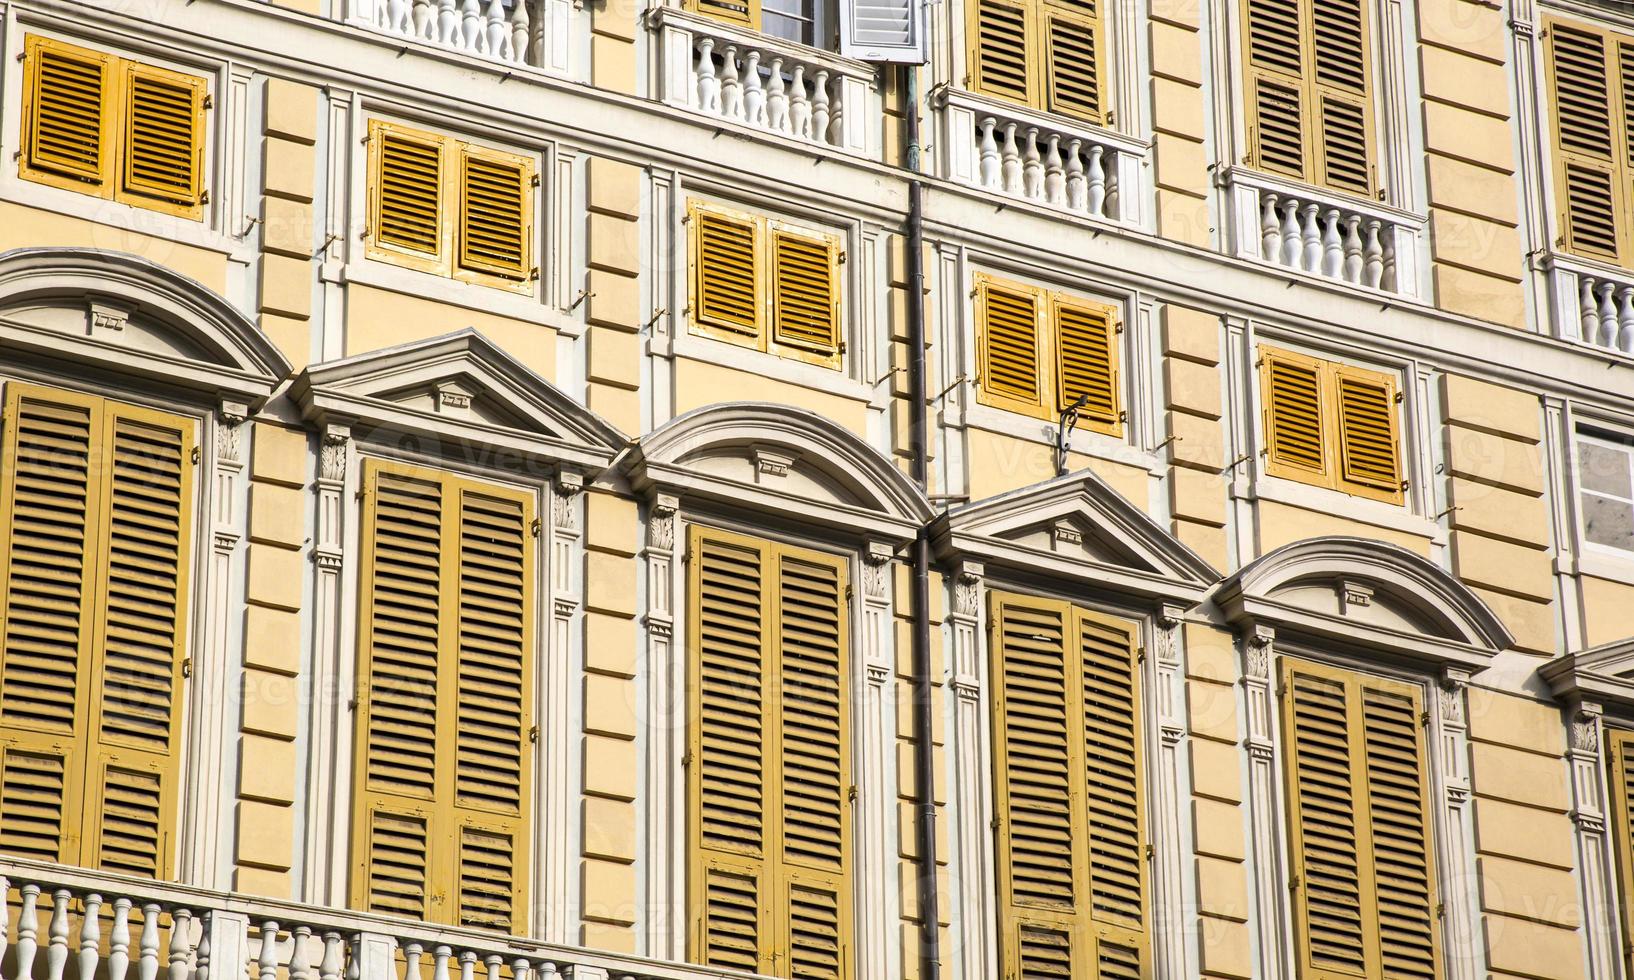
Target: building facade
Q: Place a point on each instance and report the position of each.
(463, 505)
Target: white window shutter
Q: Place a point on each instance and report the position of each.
(883, 30)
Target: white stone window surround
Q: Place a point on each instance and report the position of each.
(954, 270)
(112, 324)
(958, 122)
(861, 273)
(1577, 554)
(1350, 603)
(1250, 482)
(1401, 213)
(344, 250)
(120, 226)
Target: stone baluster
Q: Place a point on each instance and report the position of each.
(1352, 270)
(1112, 207)
(398, 15)
(201, 969)
(266, 960)
(988, 150)
(1077, 185)
(520, 968)
(1625, 320)
(425, 20)
(90, 935)
(333, 946)
(777, 99)
(471, 36)
(1588, 316)
(1293, 244)
(1055, 178)
(1311, 232)
(28, 929)
(411, 961)
(1010, 167)
(1032, 167)
(1387, 279)
(754, 93)
(522, 33)
(494, 961)
(1333, 247)
(181, 943)
(1608, 316)
(56, 951)
(119, 940)
(147, 964)
(709, 87)
(499, 30)
(800, 105)
(1270, 227)
(300, 965)
(1372, 256)
(836, 121)
(448, 23)
(820, 114)
(731, 85)
(439, 960)
(1095, 192)
(548, 971)
(468, 964)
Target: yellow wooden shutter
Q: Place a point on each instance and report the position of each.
(67, 135)
(496, 215)
(1369, 433)
(1276, 90)
(814, 753)
(1295, 394)
(769, 776)
(805, 296)
(1072, 42)
(1087, 362)
(406, 207)
(96, 500)
(1000, 59)
(726, 276)
(1340, 96)
(162, 139)
(1011, 353)
(493, 671)
(1360, 828)
(1591, 153)
(742, 12)
(1620, 778)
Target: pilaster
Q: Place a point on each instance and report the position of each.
(1585, 761)
(1271, 907)
(875, 908)
(328, 763)
(972, 777)
(665, 887)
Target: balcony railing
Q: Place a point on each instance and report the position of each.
(72, 924)
(1593, 304)
(1327, 235)
(763, 83)
(1037, 157)
(514, 32)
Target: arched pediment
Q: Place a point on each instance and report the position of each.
(459, 388)
(124, 314)
(1365, 593)
(1076, 527)
(782, 459)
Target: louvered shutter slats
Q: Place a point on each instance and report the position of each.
(65, 130)
(1010, 343)
(1294, 406)
(130, 832)
(34, 788)
(445, 709)
(1367, 430)
(1339, 47)
(163, 152)
(1592, 84)
(1112, 762)
(408, 192)
(805, 311)
(732, 932)
(1276, 99)
(494, 228)
(1001, 58)
(1073, 63)
(813, 763)
(1398, 807)
(731, 709)
(727, 263)
(1086, 341)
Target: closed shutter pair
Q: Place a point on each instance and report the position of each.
(1068, 734)
(1361, 840)
(735, 257)
(1591, 76)
(452, 208)
(768, 758)
(444, 701)
(1045, 54)
(113, 128)
(96, 503)
(1040, 351)
(1332, 425)
(1310, 93)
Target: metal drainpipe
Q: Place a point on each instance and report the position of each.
(924, 720)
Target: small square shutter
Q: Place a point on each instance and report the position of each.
(1369, 432)
(1342, 75)
(883, 30)
(1086, 342)
(1275, 76)
(406, 215)
(805, 297)
(1072, 52)
(726, 275)
(1295, 395)
(1586, 143)
(1009, 343)
(67, 133)
(1000, 57)
(495, 216)
(162, 151)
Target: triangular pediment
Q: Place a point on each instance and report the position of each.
(1077, 526)
(458, 387)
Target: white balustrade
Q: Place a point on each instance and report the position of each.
(1046, 159)
(759, 82)
(1592, 304)
(200, 934)
(1329, 236)
(516, 32)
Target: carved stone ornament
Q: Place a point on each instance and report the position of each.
(661, 523)
(104, 315)
(1451, 696)
(876, 571)
(1258, 648)
(563, 514)
(1585, 732)
(230, 438)
(967, 590)
(332, 455)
